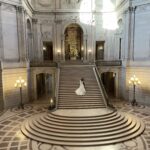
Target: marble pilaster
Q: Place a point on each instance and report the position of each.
(35, 39)
(1, 37)
(21, 32)
(131, 32)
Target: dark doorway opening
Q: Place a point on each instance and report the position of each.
(100, 50)
(44, 86)
(48, 51)
(108, 79)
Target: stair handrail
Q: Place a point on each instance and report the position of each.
(57, 86)
(102, 88)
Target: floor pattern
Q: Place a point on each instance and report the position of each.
(11, 137)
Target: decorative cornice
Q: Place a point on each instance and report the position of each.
(144, 7)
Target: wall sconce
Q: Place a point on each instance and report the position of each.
(58, 51)
(114, 74)
(100, 47)
(20, 83)
(89, 51)
(44, 48)
(90, 55)
(82, 48)
(58, 54)
(134, 81)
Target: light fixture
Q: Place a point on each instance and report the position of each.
(100, 47)
(134, 81)
(114, 74)
(52, 104)
(44, 48)
(58, 51)
(58, 54)
(20, 83)
(89, 51)
(82, 48)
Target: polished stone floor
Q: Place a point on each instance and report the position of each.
(12, 139)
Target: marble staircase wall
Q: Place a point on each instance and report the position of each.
(142, 91)
(1, 91)
(11, 95)
(9, 32)
(142, 33)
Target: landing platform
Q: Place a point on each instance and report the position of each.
(82, 112)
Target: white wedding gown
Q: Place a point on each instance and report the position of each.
(81, 90)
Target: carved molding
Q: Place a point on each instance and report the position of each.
(46, 3)
(46, 35)
(70, 4)
(46, 22)
(143, 8)
(7, 7)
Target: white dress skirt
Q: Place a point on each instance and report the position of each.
(81, 90)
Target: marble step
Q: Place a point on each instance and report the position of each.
(108, 114)
(81, 124)
(87, 89)
(75, 134)
(73, 90)
(78, 133)
(81, 102)
(81, 107)
(92, 129)
(73, 95)
(87, 94)
(84, 121)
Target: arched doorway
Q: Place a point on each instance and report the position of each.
(108, 79)
(73, 42)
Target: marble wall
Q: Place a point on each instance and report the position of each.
(9, 32)
(49, 19)
(11, 95)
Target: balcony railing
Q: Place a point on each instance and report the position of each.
(43, 64)
(108, 63)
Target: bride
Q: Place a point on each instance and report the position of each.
(81, 90)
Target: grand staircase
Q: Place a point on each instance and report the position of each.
(81, 120)
(69, 82)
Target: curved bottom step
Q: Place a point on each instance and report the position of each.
(107, 128)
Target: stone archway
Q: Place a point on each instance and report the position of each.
(73, 42)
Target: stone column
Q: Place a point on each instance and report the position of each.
(57, 41)
(21, 32)
(63, 46)
(1, 36)
(131, 33)
(35, 39)
(85, 47)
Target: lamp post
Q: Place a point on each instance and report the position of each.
(20, 83)
(134, 81)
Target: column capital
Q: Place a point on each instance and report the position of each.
(19, 8)
(131, 9)
(34, 20)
